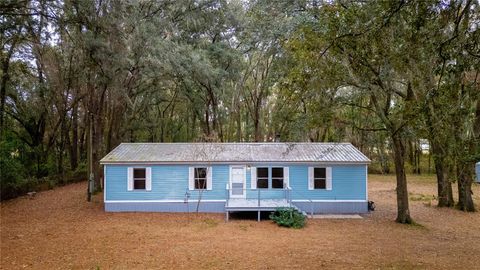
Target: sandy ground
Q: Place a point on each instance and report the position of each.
(58, 229)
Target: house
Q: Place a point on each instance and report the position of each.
(230, 177)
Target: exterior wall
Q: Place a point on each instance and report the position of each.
(204, 207)
(348, 183)
(170, 184)
(341, 207)
(219, 207)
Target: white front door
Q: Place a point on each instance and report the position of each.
(237, 182)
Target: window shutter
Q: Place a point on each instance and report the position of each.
(310, 178)
(130, 179)
(286, 178)
(209, 178)
(253, 178)
(329, 178)
(191, 175)
(148, 178)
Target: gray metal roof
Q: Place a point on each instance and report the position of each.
(234, 152)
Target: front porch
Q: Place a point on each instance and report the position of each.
(259, 200)
(253, 204)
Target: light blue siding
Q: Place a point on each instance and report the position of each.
(348, 183)
(170, 182)
(204, 207)
(333, 207)
(219, 207)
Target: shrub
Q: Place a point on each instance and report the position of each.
(288, 217)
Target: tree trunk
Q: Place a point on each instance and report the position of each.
(217, 127)
(206, 129)
(444, 187)
(403, 212)
(83, 138)
(61, 146)
(476, 125)
(418, 155)
(3, 84)
(96, 150)
(445, 196)
(465, 201)
(74, 140)
(410, 149)
(239, 126)
(256, 123)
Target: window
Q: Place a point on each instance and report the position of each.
(320, 178)
(262, 177)
(277, 177)
(273, 178)
(200, 178)
(139, 178)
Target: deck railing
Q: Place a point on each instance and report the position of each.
(300, 195)
(260, 194)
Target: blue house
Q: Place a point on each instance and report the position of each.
(230, 177)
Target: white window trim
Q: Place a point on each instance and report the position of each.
(328, 178)
(148, 179)
(366, 183)
(209, 177)
(310, 178)
(253, 177)
(105, 183)
(191, 177)
(130, 178)
(286, 177)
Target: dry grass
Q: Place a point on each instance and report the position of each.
(59, 230)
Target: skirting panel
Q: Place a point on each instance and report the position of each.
(333, 207)
(219, 207)
(204, 207)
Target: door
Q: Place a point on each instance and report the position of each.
(237, 182)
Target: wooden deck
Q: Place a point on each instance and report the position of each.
(254, 205)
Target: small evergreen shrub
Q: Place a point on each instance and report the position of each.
(288, 217)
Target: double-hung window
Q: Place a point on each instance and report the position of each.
(319, 178)
(277, 177)
(262, 177)
(139, 178)
(270, 178)
(200, 178)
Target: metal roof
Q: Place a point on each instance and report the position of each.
(234, 152)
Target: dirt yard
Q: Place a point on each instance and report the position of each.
(58, 229)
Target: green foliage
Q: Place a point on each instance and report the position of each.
(288, 217)
(194, 70)
(12, 171)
